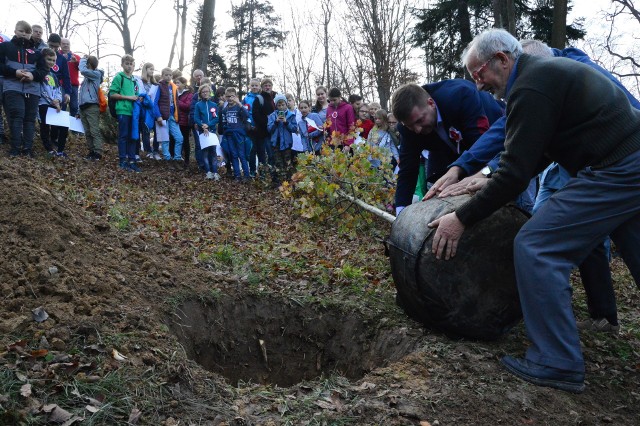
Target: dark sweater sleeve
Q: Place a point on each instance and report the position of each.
(409, 167)
(531, 123)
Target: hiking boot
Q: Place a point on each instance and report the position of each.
(89, 156)
(13, 153)
(124, 165)
(134, 167)
(52, 153)
(598, 324)
(62, 155)
(209, 175)
(541, 375)
(216, 176)
(97, 156)
(138, 159)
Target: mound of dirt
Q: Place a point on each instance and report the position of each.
(106, 289)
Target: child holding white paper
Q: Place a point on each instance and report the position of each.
(310, 128)
(206, 119)
(51, 97)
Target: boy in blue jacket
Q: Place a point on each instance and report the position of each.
(233, 126)
(51, 97)
(281, 124)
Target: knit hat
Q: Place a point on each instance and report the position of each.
(279, 98)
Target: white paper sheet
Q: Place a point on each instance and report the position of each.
(75, 124)
(162, 132)
(207, 141)
(55, 118)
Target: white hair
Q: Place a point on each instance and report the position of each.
(536, 48)
(490, 42)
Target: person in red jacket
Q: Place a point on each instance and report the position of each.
(364, 122)
(340, 120)
(73, 61)
(185, 96)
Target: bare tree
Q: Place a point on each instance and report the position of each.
(119, 14)
(56, 15)
(327, 7)
(299, 58)
(204, 34)
(381, 25)
(176, 7)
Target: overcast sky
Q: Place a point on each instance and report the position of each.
(159, 26)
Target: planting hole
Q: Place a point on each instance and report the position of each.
(279, 342)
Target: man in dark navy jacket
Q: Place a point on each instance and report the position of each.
(445, 118)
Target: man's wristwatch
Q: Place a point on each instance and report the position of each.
(486, 171)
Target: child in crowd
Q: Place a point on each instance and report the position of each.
(184, 106)
(281, 125)
(310, 128)
(340, 119)
(393, 129)
(124, 90)
(233, 126)
(380, 138)
(356, 103)
(148, 84)
(89, 102)
(51, 97)
(175, 74)
(373, 108)
(297, 146)
(166, 101)
(254, 104)
(206, 119)
(23, 70)
(364, 122)
(322, 103)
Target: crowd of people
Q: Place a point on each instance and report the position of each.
(167, 118)
(546, 128)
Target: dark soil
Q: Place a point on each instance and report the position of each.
(172, 271)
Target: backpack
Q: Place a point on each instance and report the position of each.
(102, 101)
(112, 102)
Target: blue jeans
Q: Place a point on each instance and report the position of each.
(174, 131)
(210, 159)
(237, 149)
(594, 204)
(126, 146)
(145, 135)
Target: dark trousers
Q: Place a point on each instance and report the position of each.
(284, 164)
(21, 110)
(53, 137)
(560, 236)
(186, 146)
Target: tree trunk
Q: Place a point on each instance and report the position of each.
(175, 34)
(511, 17)
(206, 33)
(559, 28)
(183, 31)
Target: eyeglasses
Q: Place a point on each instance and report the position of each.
(476, 74)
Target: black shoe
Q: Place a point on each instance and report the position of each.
(97, 157)
(89, 156)
(14, 153)
(541, 375)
